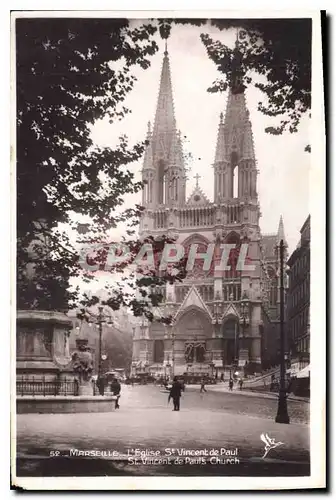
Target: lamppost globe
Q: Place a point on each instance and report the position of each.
(104, 357)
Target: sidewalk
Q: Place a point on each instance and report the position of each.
(157, 429)
(222, 387)
(145, 423)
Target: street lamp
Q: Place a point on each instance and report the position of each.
(282, 414)
(211, 365)
(171, 335)
(143, 336)
(104, 358)
(167, 365)
(244, 310)
(99, 319)
(217, 320)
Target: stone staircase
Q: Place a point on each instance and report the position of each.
(263, 381)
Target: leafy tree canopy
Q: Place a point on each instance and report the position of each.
(278, 49)
(72, 72)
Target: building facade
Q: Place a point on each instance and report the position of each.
(221, 319)
(298, 300)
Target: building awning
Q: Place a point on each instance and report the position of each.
(305, 373)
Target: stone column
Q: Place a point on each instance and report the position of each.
(256, 350)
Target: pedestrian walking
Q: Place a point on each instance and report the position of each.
(101, 385)
(203, 389)
(222, 377)
(115, 389)
(240, 384)
(175, 394)
(231, 384)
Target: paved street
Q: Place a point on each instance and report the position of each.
(145, 421)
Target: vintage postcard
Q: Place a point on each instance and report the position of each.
(169, 171)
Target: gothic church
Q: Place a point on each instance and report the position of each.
(222, 320)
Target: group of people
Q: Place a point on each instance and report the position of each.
(240, 382)
(175, 392)
(115, 388)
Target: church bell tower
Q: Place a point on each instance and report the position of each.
(218, 316)
(163, 167)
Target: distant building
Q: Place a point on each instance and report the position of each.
(298, 300)
(116, 340)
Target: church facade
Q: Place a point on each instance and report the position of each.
(221, 319)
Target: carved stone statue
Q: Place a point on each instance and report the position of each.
(82, 364)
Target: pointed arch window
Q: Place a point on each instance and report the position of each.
(234, 175)
(150, 187)
(235, 181)
(233, 238)
(161, 182)
(273, 286)
(145, 193)
(175, 188)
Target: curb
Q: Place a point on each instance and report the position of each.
(251, 392)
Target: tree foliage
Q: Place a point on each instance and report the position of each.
(70, 72)
(277, 49)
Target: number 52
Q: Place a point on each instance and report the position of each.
(54, 453)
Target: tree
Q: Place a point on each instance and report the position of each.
(278, 49)
(71, 72)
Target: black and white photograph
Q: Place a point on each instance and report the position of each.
(169, 176)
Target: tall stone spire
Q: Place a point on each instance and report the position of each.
(165, 153)
(164, 124)
(220, 147)
(148, 170)
(281, 231)
(235, 146)
(221, 163)
(148, 158)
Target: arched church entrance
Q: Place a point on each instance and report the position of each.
(192, 332)
(230, 339)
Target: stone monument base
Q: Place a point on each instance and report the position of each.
(65, 404)
(42, 345)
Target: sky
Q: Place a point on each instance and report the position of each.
(283, 180)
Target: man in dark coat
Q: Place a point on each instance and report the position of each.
(116, 388)
(175, 394)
